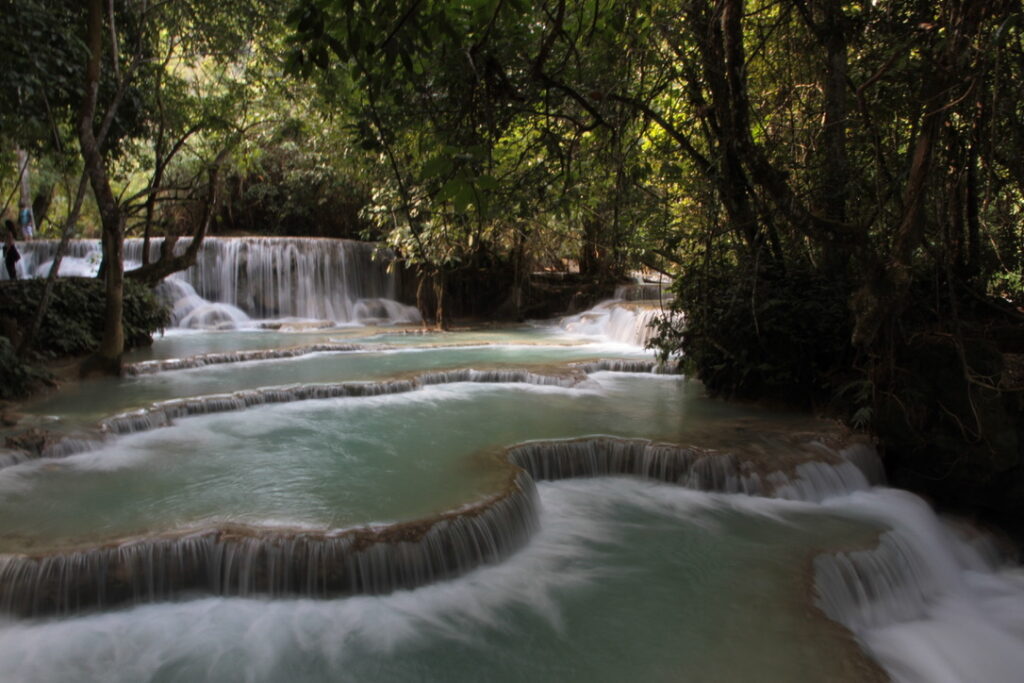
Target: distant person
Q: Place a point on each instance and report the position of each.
(27, 221)
(11, 255)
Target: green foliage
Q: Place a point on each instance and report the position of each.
(73, 323)
(781, 337)
(41, 66)
(17, 378)
(1007, 285)
(295, 179)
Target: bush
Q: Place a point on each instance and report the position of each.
(73, 324)
(17, 378)
(780, 337)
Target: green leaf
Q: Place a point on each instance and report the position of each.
(487, 182)
(436, 167)
(449, 190)
(463, 198)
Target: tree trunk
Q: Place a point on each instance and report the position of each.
(883, 298)
(107, 358)
(835, 174)
(439, 317)
(25, 185)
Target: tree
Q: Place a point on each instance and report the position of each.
(166, 40)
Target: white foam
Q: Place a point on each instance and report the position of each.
(612, 321)
(927, 604)
(240, 639)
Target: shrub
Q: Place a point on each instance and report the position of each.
(73, 324)
(781, 337)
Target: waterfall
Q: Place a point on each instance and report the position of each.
(236, 279)
(164, 413)
(240, 560)
(244, 560)
(930, 601)
(634, 366)
(615, 321)
(152, 367)
(81, 260)
(700, 469)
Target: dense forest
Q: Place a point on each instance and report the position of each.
(834, 187)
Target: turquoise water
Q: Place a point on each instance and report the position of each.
(624, 580)
(87, 402)
(176, 343)
(333, 463)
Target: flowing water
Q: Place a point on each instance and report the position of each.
(534, 503)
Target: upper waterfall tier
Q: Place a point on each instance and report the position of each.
(238, 278)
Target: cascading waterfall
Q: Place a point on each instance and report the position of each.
(288, 277)
(638, 366)
(926, 601)
(153, 367)
(922, 598)
(643, 291)
(616, 321)
(242, 278)
(631, 317)
(82, 258)
(876, 587)
(701, 469)
(164, 413)
(244, 560)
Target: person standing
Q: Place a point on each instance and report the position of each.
(11, 255)
(27, 221)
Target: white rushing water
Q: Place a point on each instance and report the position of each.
(618, 321)
(613, 556)
(931, 604)
(631, 317)
(554, 612)
(236, 281)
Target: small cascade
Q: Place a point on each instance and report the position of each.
(928, 602)
(241, 561)
(753, 474)
(152, 367)
(872, 588)
(817, 481)
(859, 469)
(249, 560)
(616, 321)
(238, 279)
(636, 366)
(165, 412)
(290, 277)
(191, 311)
(852, 468)
(498, 376)
(13, 456)
(690, 467)
(81, 260)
